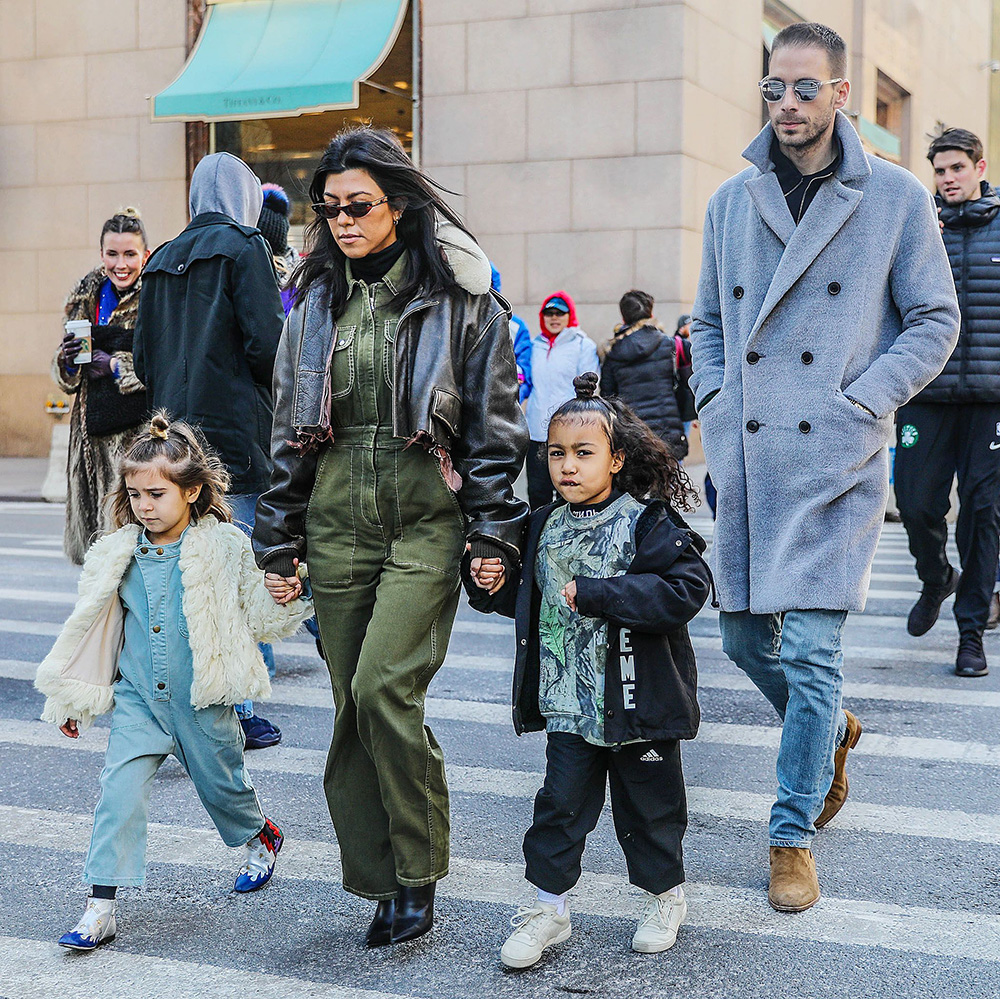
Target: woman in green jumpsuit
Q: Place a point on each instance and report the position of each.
(397, 436)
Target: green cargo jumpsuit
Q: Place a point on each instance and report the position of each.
(385, 536)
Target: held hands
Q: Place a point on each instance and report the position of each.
(569, 592)
(283, 589)
(487, 573)
(69, 729)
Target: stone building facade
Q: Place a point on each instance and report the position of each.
(584, 137)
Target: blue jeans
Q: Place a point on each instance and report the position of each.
(795, 660)
(244, 507)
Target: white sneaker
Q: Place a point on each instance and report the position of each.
(535, 927)
(96, 926)
(661, 917)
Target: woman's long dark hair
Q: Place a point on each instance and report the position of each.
(378, 152)
(651, 469)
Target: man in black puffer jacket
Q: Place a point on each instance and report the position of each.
(953, 425)
(640, 367)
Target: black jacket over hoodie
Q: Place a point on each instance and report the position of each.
(972, 239)
(651, 679)
(639, 369)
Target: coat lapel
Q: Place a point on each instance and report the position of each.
(831, 208)
(765, 192)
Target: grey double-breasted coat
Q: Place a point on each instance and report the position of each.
(792, 323)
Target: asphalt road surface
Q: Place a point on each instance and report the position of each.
(909, 869)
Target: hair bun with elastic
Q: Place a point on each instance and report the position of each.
(159, 426)
(586, 385)
(129, 212)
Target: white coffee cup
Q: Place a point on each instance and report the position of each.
(81, 330)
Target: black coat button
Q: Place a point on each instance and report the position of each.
(833, 287)
(805, 426)
(753, 357)
(807, 358)
(161, 686)
(753, 426)
(610, 712)
(738, 292)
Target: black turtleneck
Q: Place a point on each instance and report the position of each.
(800, 189)
(375, 266)
(590, 509)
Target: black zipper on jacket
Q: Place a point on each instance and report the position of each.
(962, 304)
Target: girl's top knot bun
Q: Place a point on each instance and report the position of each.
(159, 426)
(129, 212)
(586, 385)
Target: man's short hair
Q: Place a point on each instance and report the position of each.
(960, 139)
(813, 33)
(636, 305)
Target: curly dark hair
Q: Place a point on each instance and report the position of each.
(651, 470)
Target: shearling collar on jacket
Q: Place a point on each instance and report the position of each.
(227, 608)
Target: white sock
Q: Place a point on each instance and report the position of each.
(559, 901)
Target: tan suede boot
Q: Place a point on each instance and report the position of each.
(794, 885)
(837, 794)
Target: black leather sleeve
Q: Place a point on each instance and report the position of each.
(279, 534)
(489, 451)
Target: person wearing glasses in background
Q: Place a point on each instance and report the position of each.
(397, 436)
(825, 301)
(210, 315)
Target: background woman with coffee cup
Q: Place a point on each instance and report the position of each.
(94, 363)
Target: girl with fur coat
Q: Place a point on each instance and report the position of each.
(110, 400)
(165, 636)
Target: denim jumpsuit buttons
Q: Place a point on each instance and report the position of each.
(153, 718)
(385, 537)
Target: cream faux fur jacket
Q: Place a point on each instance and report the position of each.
(228, 612)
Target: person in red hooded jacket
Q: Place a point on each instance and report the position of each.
(559, 353)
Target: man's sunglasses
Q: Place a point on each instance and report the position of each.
(353, 209)
(805, 90)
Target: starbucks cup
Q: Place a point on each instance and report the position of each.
(81, 330)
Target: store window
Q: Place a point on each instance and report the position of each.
(285, 150)
(892, 108)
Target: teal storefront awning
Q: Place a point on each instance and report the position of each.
(274, 58)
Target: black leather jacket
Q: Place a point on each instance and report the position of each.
(456, 390)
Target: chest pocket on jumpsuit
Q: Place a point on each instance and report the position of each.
(342, 362)
(389, 350)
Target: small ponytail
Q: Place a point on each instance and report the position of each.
(181, 453)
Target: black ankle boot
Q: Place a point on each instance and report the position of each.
(925, 611)
(414, 912)
(380, 930)
(971, 660)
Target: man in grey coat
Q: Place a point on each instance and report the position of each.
(825, 302)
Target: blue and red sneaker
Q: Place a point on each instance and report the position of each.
(262, 851)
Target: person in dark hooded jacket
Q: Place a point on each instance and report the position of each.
(640, 367)
(210, 316)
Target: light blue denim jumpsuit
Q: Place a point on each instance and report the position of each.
(153, 718)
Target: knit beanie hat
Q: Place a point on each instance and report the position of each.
(273, 221)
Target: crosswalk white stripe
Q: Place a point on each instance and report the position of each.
(34, 553)
(38, 970)
(22, 669)
(860, 816)
(956, 934)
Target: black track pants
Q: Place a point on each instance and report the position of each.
(934, 442)
(647, 801)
